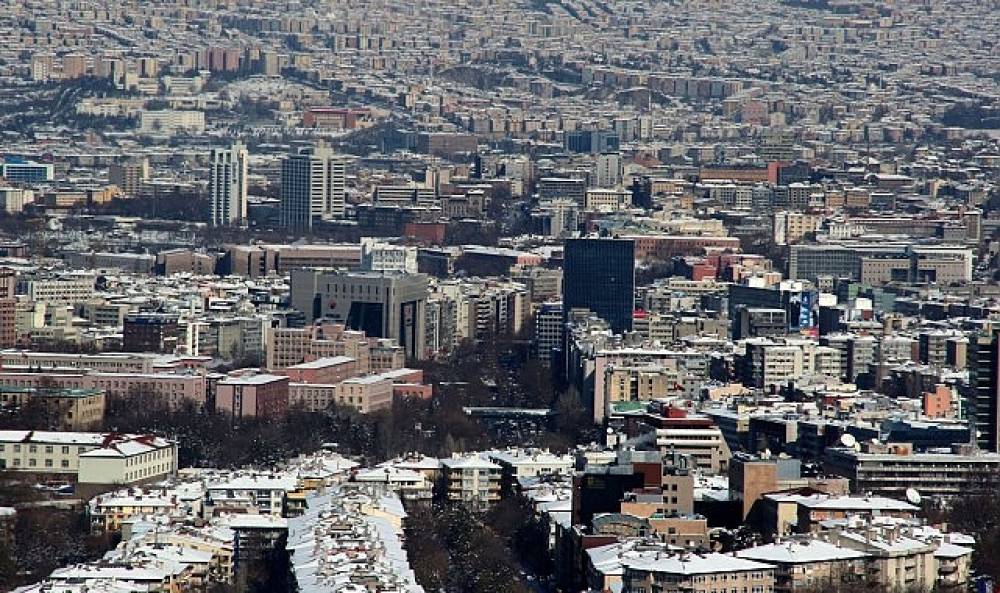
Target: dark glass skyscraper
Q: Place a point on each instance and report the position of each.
(983, 404)
(599, 274)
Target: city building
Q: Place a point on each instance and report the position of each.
(67, 409)
(381, 304)
(312, 187)
(94, 461)
(129, 175)
(227, 185)
(472, 480)
(983, 405)
(599, 276)
(252, 396)
(151, 332)
(694, 571)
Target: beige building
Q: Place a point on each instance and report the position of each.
(129, 176)
(168, 122)
(645, 572)
(808, 564)
(95, 461)
(471, 480)
(792, 227)
(108, 511)
(285, 347)
(363, 394)
(694, 436)
(895, 558)
(68, 409)
(773, 364)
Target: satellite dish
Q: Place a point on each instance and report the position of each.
(767, 453)
(848, 440)
(913, 496)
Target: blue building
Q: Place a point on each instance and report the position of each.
(16, 171)
(599, 275)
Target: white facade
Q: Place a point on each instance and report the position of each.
(228, 185)
(609, 169)
(170, 121)
(379, 256)
(14, 199)
(313, 186)
(92, 457)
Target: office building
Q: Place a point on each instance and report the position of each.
(891, 470)
(129, 176)
(150, 332)
(609, 170)
(548, 330)
(592, 141)
(983, 405)
(644, 571)
(381, 304)
(252, 396)
(19, 171)
(313, 183)
(380, 256)
(559, 188)
(599, 275)
(168, 122)
(227, 185)
(66, 409)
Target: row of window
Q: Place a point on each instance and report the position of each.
(49, 449)
(32, 462)
(146, 472)
(158, 454)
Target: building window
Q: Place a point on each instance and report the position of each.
(65, 462)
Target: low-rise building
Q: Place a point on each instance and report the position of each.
(471, 480)
(806, 563)
(68, 409)
(697, 573)
(252, 396)
(95, 461)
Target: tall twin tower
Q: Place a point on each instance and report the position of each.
(313, 186)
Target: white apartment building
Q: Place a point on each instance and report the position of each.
(529, 463)
(91, 459)
(66, 289)
(171, 121)
(472, 480)
(313, 186)
(227, 185)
